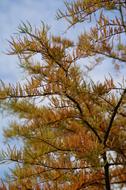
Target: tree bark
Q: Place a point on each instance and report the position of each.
(106, 170)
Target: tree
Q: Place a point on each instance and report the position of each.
(73, 129)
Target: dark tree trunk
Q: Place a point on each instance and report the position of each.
(106, 170)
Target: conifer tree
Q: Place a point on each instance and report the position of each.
(72, 128)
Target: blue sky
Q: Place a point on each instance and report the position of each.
(12, 12)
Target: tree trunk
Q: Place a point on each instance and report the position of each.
(106, 170)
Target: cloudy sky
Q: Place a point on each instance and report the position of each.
(12, 12)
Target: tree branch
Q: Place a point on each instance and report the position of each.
(113, 117)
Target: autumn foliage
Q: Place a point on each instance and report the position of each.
(72, 128)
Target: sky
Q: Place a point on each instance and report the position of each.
(12, 13)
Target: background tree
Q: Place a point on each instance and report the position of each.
(73, 130)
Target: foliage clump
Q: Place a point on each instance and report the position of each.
(75, 137)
